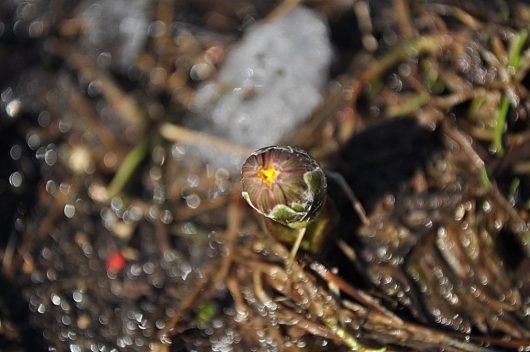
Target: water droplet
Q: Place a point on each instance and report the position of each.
(166, 217)
(160, 324)
(152, 213)
(139, 342)
(498, 224)
(36, 28)
(51, 187)
(69, 211)
(155, 173)
(149, 268)
(44, 118)
(15, 152)
(75, 348)
(185, 271)
(56, 299)
(64, 125)
(178, 151)
(16, 179)
(116, 204)
(39, 155)
(159, 194)
(156, 28)
(94, 88)
(33, 140)
(37, 277)
(13, 108)
(135, 270)
(50, 157)
(110, 159)
(66, 320)
(46, 253)
(201, 71)
(6, 94)
(193, 201)
(77, 296)
(65, 305)
(193, 181)
(104, 59)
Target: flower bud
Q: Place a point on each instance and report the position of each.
(284, 184)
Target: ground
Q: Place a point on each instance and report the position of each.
(120, 235)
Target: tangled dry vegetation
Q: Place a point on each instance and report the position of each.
(427, 121)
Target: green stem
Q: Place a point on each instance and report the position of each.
(415, 47)
(514, 186)
(500, 125)
(505, 14)
(524, 238)
(516, 47)
(514, 61)
(126, 169)
(348, 339)
(409, 106)
(296, 246)
(484, 178)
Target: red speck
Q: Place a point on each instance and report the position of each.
(115, 262)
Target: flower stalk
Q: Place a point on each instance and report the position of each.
(288, 187)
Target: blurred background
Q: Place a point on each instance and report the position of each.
(123, 127)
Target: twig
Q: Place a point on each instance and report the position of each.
(461, 15)
(164, 43)
(476, 160)
(9, 252)
(362, 12)
(184, 212)
(162, 236)
(356, 204)
(403, 17)
(284, 7)
(430, 43)
(185, 135)
(358, 295)
(231, 284)
(518, 224)
(185, 304)
(234, 218)
(124, 106)
(80, 105)
(409, 105)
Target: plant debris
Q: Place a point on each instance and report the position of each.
(120, 237)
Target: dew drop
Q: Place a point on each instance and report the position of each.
(33, 140)
(69, 211)
(178, 152)
(16, 179)
(56, 300)
(15, 152)
(44, 118)
(13, 108)
(50, 157)
(166, 217)
(193, 201)
(36, 28)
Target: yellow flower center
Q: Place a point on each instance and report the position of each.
(268, 175)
